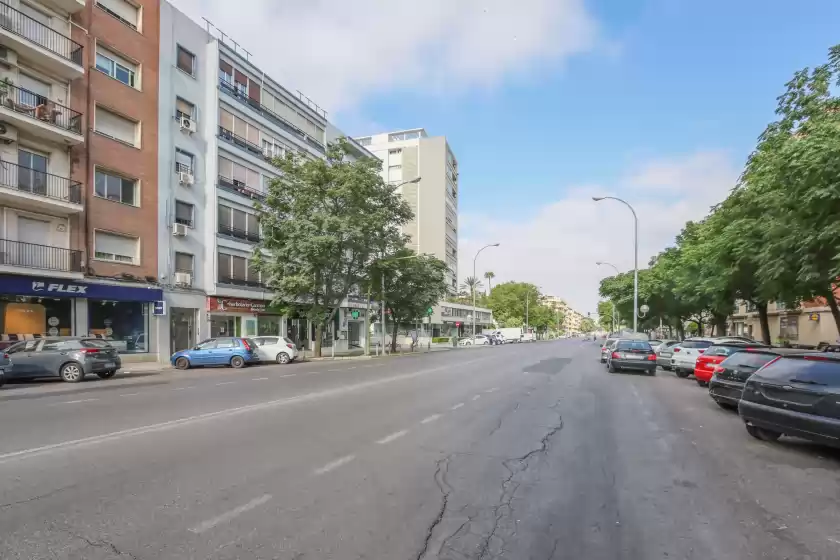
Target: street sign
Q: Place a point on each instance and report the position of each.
(158, 309)
(430, 311)
(355, 313)
(457, 324)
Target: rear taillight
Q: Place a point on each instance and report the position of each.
(6, 356)
(719, 369)
(89, 351)
(676, 349)
(292, 346)
(246, 345)
(651, 357)
(701, 350)
(615, 356)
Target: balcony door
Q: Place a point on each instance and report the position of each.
(32, 172)
(32, 92)
(33, 237)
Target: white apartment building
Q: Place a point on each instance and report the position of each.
(411, 154)
(222, 120)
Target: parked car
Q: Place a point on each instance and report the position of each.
(797, 394)
(606, 348)
(729, 376)
(224, 351)
(632, 354)
(664, 352)
(685, 355)
(478, 340)
(275, 349)
(5, 367)
(70, 358)
(654, 343)
(716, 353)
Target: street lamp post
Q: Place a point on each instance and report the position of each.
(635, 256)
(615, 317)
(473, 288)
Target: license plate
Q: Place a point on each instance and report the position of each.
(634, 356)
(110, 364)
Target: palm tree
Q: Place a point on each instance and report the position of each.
(471, 284)
(489, 275)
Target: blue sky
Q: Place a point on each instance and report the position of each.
(549, 102)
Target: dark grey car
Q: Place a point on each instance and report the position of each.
(5, 367)
(69, 358)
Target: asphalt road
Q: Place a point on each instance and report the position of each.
(519, 452)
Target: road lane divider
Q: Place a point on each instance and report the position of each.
(334, 465)
(392, 437)
(229, 515)
(431, 418)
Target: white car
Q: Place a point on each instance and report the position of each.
(275, 349)
(478, 340)
(685, 354)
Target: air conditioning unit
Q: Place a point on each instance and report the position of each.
(183, 279)
(8, 134)
(185, 178)
(187, 124)
(179, 230)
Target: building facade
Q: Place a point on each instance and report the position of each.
(78, 101)
(809, 324)
(409, 155)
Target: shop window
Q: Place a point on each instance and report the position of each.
(268, 325)
(21, 316)
(124, 324)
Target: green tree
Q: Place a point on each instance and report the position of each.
(470, 285)
(413, 284)
(489, 275)
(606, 317)
(587, 325)
(508, 302)
(324, 222)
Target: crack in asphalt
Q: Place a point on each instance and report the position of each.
(502, 417)
(101, 544)
(36, 498)
(445, 490)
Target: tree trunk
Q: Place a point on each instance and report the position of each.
(835, 311)
(720, 324)
(319, 329)
(680, 329)
(764, 322)
(394, 339)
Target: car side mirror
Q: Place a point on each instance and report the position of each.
(196, 348)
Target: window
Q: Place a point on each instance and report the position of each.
(123, 324)
(32, 173)
(395, 173)
(186, 61)
(696, 344)
(122, 10)
(115, 247)
(184, 108)
(225, 343)
(183, 161)
(238, 223)
(116, 126)
(115, 66)
(818, 372)
(239, 174)
(397, 137)
(184, 213)
(183, 262)
(115, 188)
(395, 152)
(237, 270)
(364, 141)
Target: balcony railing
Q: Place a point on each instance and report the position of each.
(241, 142)
(238, 233)
(30, 255)
(241, 282)
(39, 183)
(239, 187)
(243, 98)
(39, 107)
(21, 24)
(183, 168)
(184, 221)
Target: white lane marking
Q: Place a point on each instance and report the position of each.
(225, 383)
(228, 515)
(334, 465)
(475, 398)
(162, 426)
(457, 406)
(431, 418)
(331, 370)
(184, 388)
(129, 394)
(492, 390)
(354, 367)
(392, 437)
(260, 379)
(288, 375)
(78, 401)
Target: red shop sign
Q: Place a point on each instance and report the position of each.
(235, 305)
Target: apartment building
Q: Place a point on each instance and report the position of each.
(808, 324)
(78, 187)
(427, 171)
(221, 122)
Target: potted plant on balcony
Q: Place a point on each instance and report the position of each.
(5, 85)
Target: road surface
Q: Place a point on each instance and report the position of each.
(521, 452)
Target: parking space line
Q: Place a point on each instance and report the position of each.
(334, 465)
(392, 437)
(228, 515)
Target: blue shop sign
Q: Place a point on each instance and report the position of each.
(61, 287)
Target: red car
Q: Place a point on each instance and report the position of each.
(705, 365)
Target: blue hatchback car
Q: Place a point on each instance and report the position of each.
(226, 351)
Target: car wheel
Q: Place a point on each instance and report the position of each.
(666, 368)
(72, 372)
(652, 372)
(702, 383)
(237, 362)
(182, 363)
(2, 380)
(762, 434)
(107, 374)
(681, 373)
(729, 407)
(283, 358)
(611, 368)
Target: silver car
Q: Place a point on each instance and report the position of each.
(607, 348)
(69, 358)
(664, 352)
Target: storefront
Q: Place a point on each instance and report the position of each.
(33, 307)
(243, 317)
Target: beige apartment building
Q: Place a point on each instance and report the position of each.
(427, 172)
(809, 324)
(572, 320)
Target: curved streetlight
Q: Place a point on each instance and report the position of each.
(474, 278)
(635, 256)
(616, 320)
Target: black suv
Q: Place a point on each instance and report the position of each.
(796, 395)
(729, 376)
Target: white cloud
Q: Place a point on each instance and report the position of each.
(340, 52)
(557, 247)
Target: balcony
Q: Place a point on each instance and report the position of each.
(242, 97)
(41, 257)
(39, 116)
(22, 187)
(47, 47)
(239, 234)
(69, 6)
(238, 187)
(241, 142)
(241, 282)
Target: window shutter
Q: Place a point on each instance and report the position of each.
(226, 120)
(254, 91)
(122, 8)
(225, 67)
(115, 244)
(115, 126)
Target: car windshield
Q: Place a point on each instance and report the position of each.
(813, 369)
(95, 343)
(633, 345)
(747, 359)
